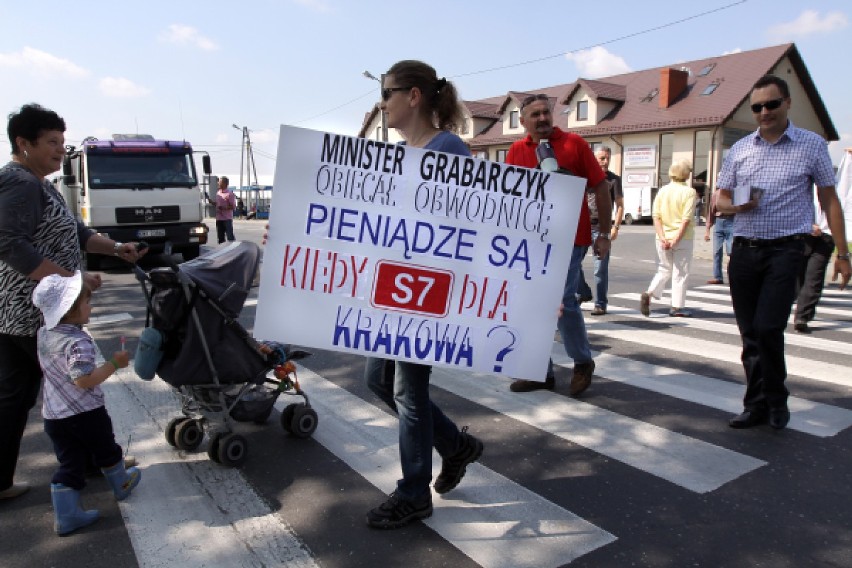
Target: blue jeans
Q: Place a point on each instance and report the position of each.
(571, 325)
(763, 287)
(404, 387)
(601, 277)
(723, 234)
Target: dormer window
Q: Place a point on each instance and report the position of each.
(706, 69)
(650, 96)
(514, 122)
(582, 110)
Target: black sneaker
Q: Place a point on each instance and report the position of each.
(453, 468)
(397, 512)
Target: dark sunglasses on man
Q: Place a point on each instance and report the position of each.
(769, 105)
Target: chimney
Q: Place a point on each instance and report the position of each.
(672, 84)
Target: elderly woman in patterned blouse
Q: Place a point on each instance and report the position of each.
(38, 236)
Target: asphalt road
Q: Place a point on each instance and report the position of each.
(641, 471)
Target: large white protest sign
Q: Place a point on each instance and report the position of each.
(404, 253)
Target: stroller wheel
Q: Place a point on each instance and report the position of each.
(233, 450)
(287, 417)
(172, 428)
(213, 448)
(304, 421)
(188, 435)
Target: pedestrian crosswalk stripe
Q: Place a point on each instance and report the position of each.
(822, 309)
(798, 366)
(690, 463)
(810, 417)
(493, 520)
(834, 325)
(729, 329)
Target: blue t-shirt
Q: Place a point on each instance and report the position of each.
(448, 142)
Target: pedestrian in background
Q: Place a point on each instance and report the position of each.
(38, 236)
(603, 154)
(423, 109)
(75, 415)
(572, 154)
(226, 204)
(673, 212)
(722, 226)
(767, 182)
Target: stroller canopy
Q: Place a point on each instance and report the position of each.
(232, 266)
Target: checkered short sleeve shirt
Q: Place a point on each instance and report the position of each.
(67, 353)
(787, 171)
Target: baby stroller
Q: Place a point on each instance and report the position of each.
(219, 370)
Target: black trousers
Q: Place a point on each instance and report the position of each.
(225, 229)
(20, 380)
(763, 286)
(811, 278)
(78, 438)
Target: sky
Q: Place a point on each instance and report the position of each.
(202, 71)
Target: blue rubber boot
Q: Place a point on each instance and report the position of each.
(68, 516)
(122, 480)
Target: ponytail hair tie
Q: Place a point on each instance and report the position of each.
(442, 82)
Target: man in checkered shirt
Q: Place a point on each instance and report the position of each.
(767, 183)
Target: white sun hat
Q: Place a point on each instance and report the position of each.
(55, 295)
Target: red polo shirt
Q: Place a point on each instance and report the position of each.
(573, 154)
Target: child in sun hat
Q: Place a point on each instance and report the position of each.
(75, 417)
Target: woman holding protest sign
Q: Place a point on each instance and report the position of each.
(424, 109)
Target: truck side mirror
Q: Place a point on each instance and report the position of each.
(68, 172)
(205, 164)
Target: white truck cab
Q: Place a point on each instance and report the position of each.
(136, 188)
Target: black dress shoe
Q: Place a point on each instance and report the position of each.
(802, 328)
(779, 417)
(749, 418)
(523, 385)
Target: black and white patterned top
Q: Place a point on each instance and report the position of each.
(35, 224)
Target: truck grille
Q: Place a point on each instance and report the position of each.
(136, 215)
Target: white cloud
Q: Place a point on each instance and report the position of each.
(41, 63)
(264, 136)
(221, 138)
(187, 35)
(121, 88)
(731, 52)
(317, 5)
(597, 62)
(808, 23)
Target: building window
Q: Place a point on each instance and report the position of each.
(481, 154)
(706, 69)
(582, 110)
(595, 146)
(465, 127)
(513, 119)
(500, 155)
(709, 89)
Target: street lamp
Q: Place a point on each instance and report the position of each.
(381, 82)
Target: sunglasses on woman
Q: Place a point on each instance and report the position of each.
(388, 91)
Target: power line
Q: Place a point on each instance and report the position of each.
(554, 56)
(607, 42)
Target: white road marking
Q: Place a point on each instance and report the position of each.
(810, 417)
(491, 519)
(187, 510)
(684, 461)
(109, 318)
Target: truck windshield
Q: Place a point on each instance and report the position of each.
(140, 170)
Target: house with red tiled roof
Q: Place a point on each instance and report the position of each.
(692, 110)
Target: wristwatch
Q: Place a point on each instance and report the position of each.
(117, 248)
(603, 235)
